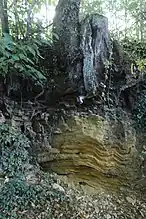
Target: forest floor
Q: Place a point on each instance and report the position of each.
(87, 203)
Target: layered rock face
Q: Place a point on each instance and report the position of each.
(95, 151)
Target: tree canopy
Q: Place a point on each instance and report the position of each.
(26, 18)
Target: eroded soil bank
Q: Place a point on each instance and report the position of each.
(97, 157)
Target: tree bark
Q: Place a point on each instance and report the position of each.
(96, 49)
(82, 48)
(66, 27)
(4, 16)
(29, 19)
(141, 21)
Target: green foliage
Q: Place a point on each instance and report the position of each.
(139, 112)
(13, 147)
(16, 196)
(20, 58)
(126, 17)
(137, 53)
(94, 6)
(18, 199)
(136, 49)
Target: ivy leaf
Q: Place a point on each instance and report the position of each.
(15, 58)
(19, 67)
(31, 50)
(40, 75)
(22, 56)
(56, 36)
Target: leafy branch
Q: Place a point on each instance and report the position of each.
(20, 58)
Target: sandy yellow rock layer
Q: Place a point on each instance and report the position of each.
(95, 151)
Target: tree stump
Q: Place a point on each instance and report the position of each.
(82, 47)
(96, 48)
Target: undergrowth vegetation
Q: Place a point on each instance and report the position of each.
(136, 50)
(14, 154)
(139, 111)
(20, 58)
(19, 198)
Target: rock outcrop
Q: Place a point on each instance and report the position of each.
(101, 151)
(94, 151)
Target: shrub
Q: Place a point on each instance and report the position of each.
(14, 155)
(139, 112)
(20, 58)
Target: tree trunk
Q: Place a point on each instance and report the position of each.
(96, 49)
(82, 48)
(29, 19)
(126, 16)
(66, 27)
(141, 21)
(4, 16)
